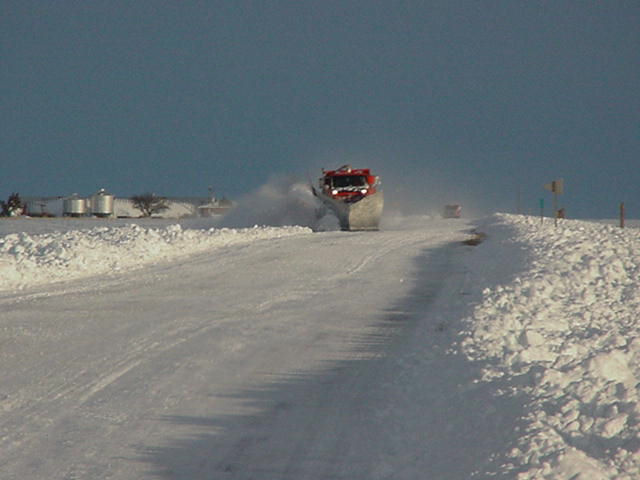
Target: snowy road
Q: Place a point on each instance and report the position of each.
(279, 359)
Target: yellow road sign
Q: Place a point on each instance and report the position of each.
(557, 186)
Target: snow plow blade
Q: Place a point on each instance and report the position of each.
(363, 214)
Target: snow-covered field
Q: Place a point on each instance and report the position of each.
(159, 349)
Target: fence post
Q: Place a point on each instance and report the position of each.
(621, 214)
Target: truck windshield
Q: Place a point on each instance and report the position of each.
(349, 181)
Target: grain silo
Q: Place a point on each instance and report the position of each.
(74, 206)
(102, 204)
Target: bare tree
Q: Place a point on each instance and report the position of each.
(149, 203)
(13, 206)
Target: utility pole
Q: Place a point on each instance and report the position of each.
(555, 205)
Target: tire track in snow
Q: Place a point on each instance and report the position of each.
(26, 407)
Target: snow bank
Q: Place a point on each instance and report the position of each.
(27, 260)
(567, 330)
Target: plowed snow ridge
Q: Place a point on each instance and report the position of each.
(566, 331)
(27, 260)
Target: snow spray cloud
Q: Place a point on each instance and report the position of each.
(282, 201)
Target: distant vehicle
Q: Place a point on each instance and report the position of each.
(452, 211)
(353, 195)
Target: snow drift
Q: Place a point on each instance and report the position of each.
(566, 332)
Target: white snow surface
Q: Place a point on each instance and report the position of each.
(157, 350)
(33, 259)
(565, 332)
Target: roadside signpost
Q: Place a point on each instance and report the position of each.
(557, 188)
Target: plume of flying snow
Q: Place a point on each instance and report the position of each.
(283, 201)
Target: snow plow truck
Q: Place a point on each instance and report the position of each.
(354, 195)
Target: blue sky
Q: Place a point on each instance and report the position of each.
(450, 101)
